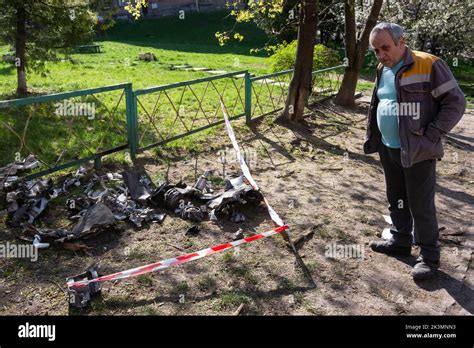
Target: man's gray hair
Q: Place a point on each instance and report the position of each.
(395, 31)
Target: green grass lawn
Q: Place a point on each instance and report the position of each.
(58, 138)
(465, 75)
(173, 41)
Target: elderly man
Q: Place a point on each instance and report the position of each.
(415, 100)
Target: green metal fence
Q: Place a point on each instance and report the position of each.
(66, 129)
(61, 134)
(268, 92)
(170, 112)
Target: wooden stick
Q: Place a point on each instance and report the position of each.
(238, 310)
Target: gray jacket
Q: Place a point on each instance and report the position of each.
(430, 105)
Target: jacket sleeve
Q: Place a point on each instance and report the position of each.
(446, 91)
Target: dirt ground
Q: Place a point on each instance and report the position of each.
(319, 181)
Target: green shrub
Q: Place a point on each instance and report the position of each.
(371, 61)
(285, 56)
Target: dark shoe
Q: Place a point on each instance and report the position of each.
(424, 269)
(387, 247)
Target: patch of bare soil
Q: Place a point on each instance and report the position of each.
(319, 181)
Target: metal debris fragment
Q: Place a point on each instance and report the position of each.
(237, 217)
(127, 196)
(37, 243)
(96, 217)
(81, 297)
(30, 162)
(237, 191)
(139, 186)
(238, 235)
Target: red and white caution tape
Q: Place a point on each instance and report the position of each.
(176, 260)
(204, 252)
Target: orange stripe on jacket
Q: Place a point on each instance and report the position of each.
(422, 64)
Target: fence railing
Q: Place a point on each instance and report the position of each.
(170, 112)
(269, 91)
(66, 129)
(59, 131)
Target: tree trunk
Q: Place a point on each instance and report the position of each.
(300, 84)
(345, 96)
(20, 43)
(355, 50)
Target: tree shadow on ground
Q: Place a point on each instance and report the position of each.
(303, 131)
(457, 195)
(279, 147)
(7, 70)
(462, 293)
(257, 294)
(457, 141)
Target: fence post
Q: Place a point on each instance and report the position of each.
(131, 110)
(97, 163)
(248, 98)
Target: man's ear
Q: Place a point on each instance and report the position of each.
(402, 42)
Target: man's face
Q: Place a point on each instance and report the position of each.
(385, 49)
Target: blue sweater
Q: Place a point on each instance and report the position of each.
(387, 118)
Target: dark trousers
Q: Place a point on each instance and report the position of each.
(410, 194)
